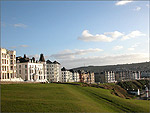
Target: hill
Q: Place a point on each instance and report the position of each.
(65, 98)
(144, 66)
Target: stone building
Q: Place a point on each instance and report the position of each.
(75, 76)
(31, 70)
(53, 71)
(65, 75)
(7, 64)
(86, 77)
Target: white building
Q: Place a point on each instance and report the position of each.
(109, 76)
(7, 64)
(74, 77)
(53, 71)
(65, 75)
(31, 70)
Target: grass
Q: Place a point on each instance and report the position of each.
(134, 84)
(65, 98)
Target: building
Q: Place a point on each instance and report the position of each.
(75, 76)
(31, 70)
(86, 77)
(109, 76)
(7, 64)
(65, 75)
(53, 71)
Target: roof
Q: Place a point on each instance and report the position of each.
(63, 69)
(50, 62)
(55, 62)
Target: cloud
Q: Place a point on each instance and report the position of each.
(132, 48)
(36, 56)
(123, 2)
(24, 46)
(106, 37)
(14, 47)
(147, 5)
(137, 8)
(117, 47)
(133, 34)
(105, 60)
(2, 24)
(20, 25)
(69, 54)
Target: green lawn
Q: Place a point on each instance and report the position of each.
(65, 98)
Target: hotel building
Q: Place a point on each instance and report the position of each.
(7, 64)
(31, 70)
(53, 71)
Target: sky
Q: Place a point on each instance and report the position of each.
(77, 33)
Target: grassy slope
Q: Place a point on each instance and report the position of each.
(65, 98)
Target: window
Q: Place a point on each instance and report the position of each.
(3, 75)
(19, 71)
(19, 66)
(11, 62)
(11, 67)
(3, 68)
(3, 61)
(11, 56)
(25, 66)
(25, 71)
(7, 61)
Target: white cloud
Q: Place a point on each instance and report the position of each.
(123, 2)
(106, 37)
(133, 34)
(105, 60)
(137, 8)
(20, 25)
(132, 48)
(69, 54)
(117, 47)
(24, 46)
(36, 56)
(14, 47)
(2, 24)
(147, 5)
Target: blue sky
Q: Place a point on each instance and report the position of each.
(77, 33)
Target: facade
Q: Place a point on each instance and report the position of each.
(7, 64)
(109, 76)
(75, 76)
(65, 75)
(86, 77)
(31, 70)
(53, 71)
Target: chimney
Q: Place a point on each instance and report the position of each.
(42, 58)
(25, 56)
(33, 59)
